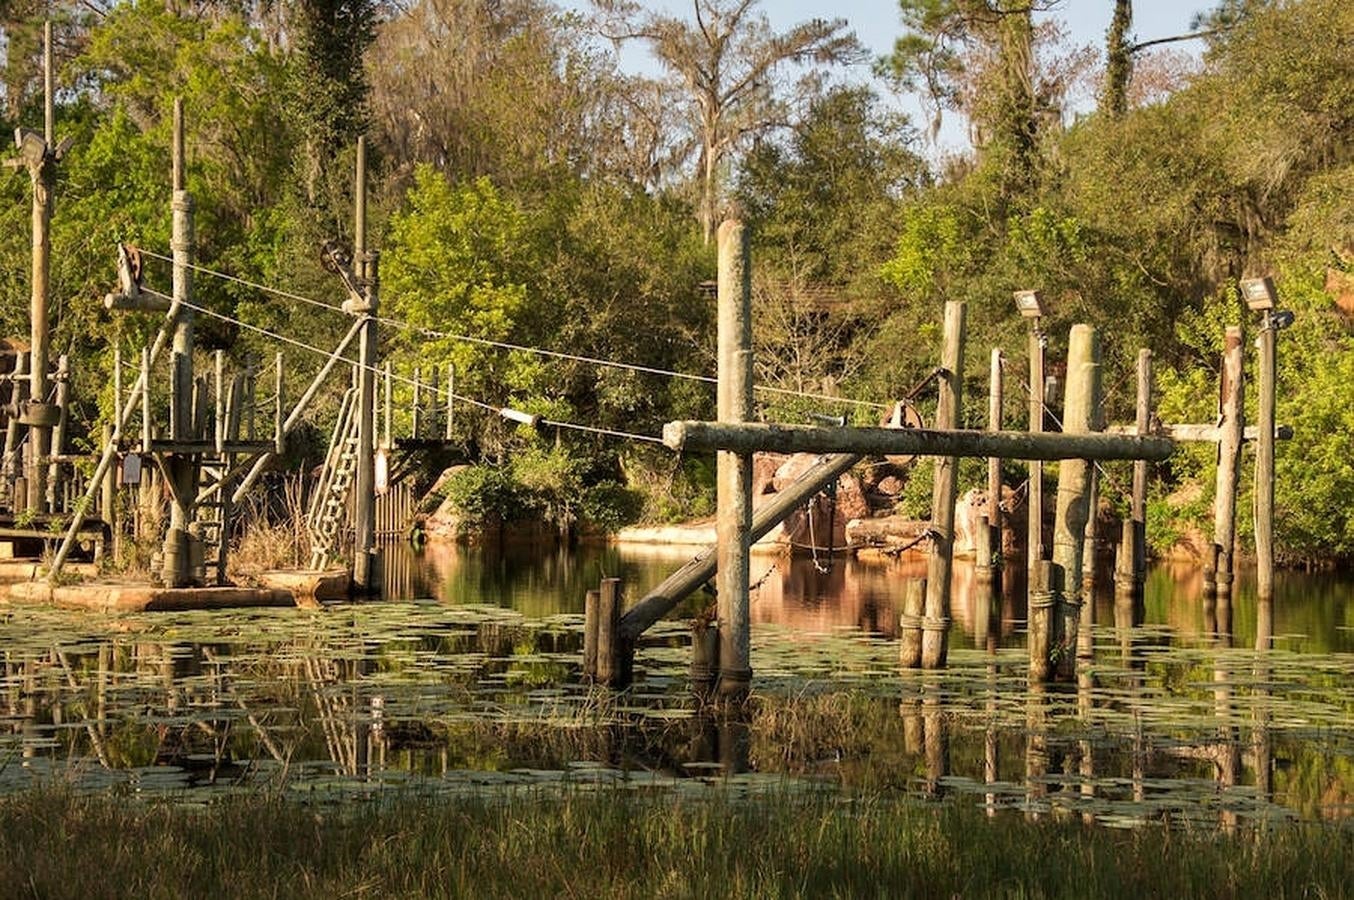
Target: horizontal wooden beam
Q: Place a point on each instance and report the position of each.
(1205, 434)
(756, 438)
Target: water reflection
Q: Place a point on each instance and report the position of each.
(476, 686)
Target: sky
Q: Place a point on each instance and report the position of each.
(876, 23)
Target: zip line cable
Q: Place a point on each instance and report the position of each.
(506, 345)
(436, 390)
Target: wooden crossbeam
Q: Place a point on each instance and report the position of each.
(761, 437)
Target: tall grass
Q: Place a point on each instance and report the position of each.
(57, 844)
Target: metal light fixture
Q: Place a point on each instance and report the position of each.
(1259, 293)
(1029, 303)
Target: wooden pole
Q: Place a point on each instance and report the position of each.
(219, 431)
(451, 401)
(365, 577)
(108, 500)
(1080, 414)
(591, 609)
(416, 416)
(1264, 461)
(734, 470)
(279, 429)
(58, 440)
(1229, 465)
(1090, 533)
(1132, 566)
(182, 470)
(147, 415)
(995, 386)
(388, 381)
(17, 386)
(1046, 584)
(610, 646)
(1035, 503)
(40, 157)
(909, 623)
(944, 491)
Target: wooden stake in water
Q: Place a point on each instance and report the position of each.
(610, 649)
(936, 621)
(734, 470)
(1267, 372)
(909, 624)
(988, 564)
(1080, 413)
(1132, 566)
(1229, 464)
(591, 609)
(1035, 502)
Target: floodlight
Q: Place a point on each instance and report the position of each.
(1259, 293)
(1029, 303)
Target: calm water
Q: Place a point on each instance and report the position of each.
(473, 686)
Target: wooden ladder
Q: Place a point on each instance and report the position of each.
(328, 520)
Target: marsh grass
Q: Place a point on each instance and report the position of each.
(54, 843)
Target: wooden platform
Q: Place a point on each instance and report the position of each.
(133, 597)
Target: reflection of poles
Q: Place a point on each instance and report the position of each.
(990, 759)
(1131, 567)
(1086, 709)
(1036, 749)
(1229, 746)
(937, 742)
(989, 560)
(1261, 745)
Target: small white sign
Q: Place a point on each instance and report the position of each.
(131, 469)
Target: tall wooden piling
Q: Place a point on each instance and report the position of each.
(1080, 406)
(1131, 568)
(365, 575)
(936, 620)
(989, 563)
(39, 156)
(591, 612)
(734, 470)
(909, 623)
(1218, 576)
(1046, 585)
(1035, 494)
(1267, 374)
(612, 669)
(182, 469)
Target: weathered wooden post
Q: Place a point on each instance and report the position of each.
(909, 623)
(1090, 533)
(1218, 575)
(182, 467)
(451, 402)
(416, 412)
(610, 651)
(734, 470)
(40, 155)
(1031, 308)
(1267, 372)
(989, 561)
(18, 385)
(1046, 584)
(57, 445)
(366, 578)
(936, 620)
(1079, 415)
(108, 501)
(388, 431)
(591, 609)
(1132, 562)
